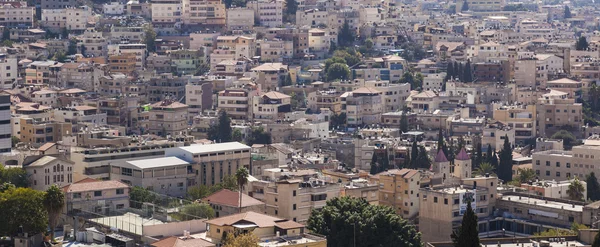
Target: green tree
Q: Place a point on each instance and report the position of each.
(197, 211)
(7, 43)
(288, 80)
(505, 165)
(467, 234)
(596, 242)
(568, 12)
(484, 168)
(259, 136)
(150, 38)
(337, 120)
(237, 136)
(347, 220)
(374, 168)
(60, 57)
(494, 160)
(22, 207)
(6, 34)
(64, 33)
(14, 175)
(369, 44)
(241, 240)
(54, 202)
(229, 182)
(72, 48)
(593, 188)
(202, 68)
(222, 131)
(567, 137)
(291, 6)
(14, 141)
(338, 71)
(403, 122)
(582, 44)
(478, 157)
(414, 155)
(332, 60)
(346, 36)
(526, 175)
(449, 71)
(423, 158)
(457, 70)
(350, 56)
(198, 192)
(139, 195)
(241, 176)
(575, 190)
(468, 73)
(488, 154)
(465, 6)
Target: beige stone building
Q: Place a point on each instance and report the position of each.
(441, 208)
(85, 195)
(362, 106)
(206, 12)
(37, 132)
(522, 119)
(555, 111)
(226, 202)
(562, 165)
(167, 118)
(272, 105)
(267, 228)
(47, 171)
(399, 189)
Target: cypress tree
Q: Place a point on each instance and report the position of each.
(449, 71)
(423, 161)
(505, 166)
(414, 155)
(593, 188)
(478, 155)
(456, 71)
(403, 122)
(494, 160)
(488, 154)
(467, 234)
(467, 73)
(461, 72)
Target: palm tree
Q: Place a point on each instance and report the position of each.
(54, 201)
(241, 176)
(484, 168)
(526, 175)
(575, 190)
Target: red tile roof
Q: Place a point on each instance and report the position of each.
(231, 198)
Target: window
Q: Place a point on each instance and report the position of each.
(126, 171)
(446, 201)
(120, 191)
(76, 195)
(120, 206)
(547, 163)
(97, 193)
(557, 164)
(435, 199)
(558, 174)
(537, 162)
(456, 201)
(568, 165)
(294, 193)
(294, 207)
(547, 173)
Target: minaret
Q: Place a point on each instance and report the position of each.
(441, 164)
(462, 165)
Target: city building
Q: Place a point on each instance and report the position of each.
(46, 171)
(96, 196)
(399, 189)
(226, 202)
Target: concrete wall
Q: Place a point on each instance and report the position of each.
(175, 228)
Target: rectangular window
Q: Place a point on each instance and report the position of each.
(120, 206)
(97, 193)
(120, 191)
(446, 201)
(76, 195)
(294, 207)
(435, 199)
(557, 164)
(294, 193)
(558, 174)
(568, 165)
(126, 171)
(547, 163)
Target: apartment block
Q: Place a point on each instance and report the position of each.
(37, 132)
(15, 15)
(271, 106)
(8, 72)
(166, 12)
(562, 165)
(269, 13)
(123, 63)
(240, 18)
(5, 124)
(204, 12)
(522, 119)
(138, 49)
(399, 189)
(555, 110)
(214, 161)
(362, 106)
(167, 118)
(237, 102)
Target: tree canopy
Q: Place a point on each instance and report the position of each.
(575, 190)
(54, 202)
(22, 207)
(582, 44)
(467, 234)
(346, 219)
(593, 188)
(150, 38)
(197, 211)
(567, 137)
(240, 240)
(139, 195)
(346, 35)
(338, 71)
(14, 175)
(222, 131)
(505, 165)
(258, 135)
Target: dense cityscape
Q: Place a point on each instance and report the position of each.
(299, 123)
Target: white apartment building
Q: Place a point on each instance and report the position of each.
(433, 82)
(126, 35)
(362, 106)
(74, 19)
(198, 96)
(236, 102)
(93, 43)
(167, 175)
(113, 8)
(138, 49)
(268, 12)
(393, 94)
(8, 72)
(240, 18)
(205, 12)
(166, 11)
(16, 16)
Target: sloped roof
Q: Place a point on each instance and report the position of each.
(440, 157)
(231, 198)
(366, 90)
(462, 155)
(173, 241)
(46, 146)
(276, 95)
(261, 220)
(84, 185)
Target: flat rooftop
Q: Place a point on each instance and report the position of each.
(128, 222)
(211, 148)
(543, 203)
(157, 162)
(552, 244)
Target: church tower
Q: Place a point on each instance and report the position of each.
(441, 165)
(462, 165)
